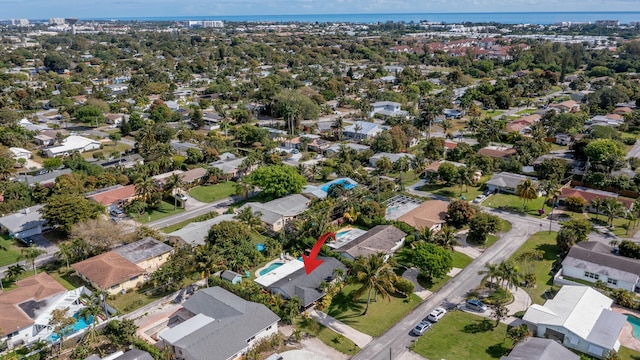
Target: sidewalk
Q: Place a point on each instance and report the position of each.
(352, 334)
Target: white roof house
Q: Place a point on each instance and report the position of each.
(363, 130)
(20, 153)
(72, 144)
(24, 223)
(580, 318)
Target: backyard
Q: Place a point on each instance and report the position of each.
(514, 203)
(382, 313)
(165, 209)
(546, 242)
(454, 191)
(211, 193)
(460, 335)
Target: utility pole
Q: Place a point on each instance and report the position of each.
(551, 218)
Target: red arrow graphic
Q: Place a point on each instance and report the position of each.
(312, 262)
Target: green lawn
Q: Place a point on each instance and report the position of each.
(628, 354)
(461, 336)
(327, 336)
(526, 112)
(211, 193)
(514, 203)
(69, 281)
(9, 251)
(165, 209)
(461, 260)
(454, 191)
(382, 313)
(433, 285)
(492, 113)
(546, 242)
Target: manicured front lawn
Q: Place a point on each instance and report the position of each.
(382, 314)
(460, 336)
(491, 113)
(11, 254)
(514, 203)
(433, 285)
(165, 209)
(327, 336)
(546, 242)
(211, 193)
(454, 190)
(461, 260)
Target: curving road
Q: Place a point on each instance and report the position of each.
(396, 341)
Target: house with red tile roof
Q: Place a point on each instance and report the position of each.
(497, 153)
(588, 195)
(113, 196)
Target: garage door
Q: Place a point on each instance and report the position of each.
(30, 232)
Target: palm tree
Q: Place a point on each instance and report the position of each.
(446, 126)
(527, 190)
(401, 165)
(464, 178)
(509, 273)
(13, 271)
(550, 188)
(351, 215)
(596, 204)
(145, 188)
(31, 253)
(384, 164)
(447, 238)
(90, 312)
(173, 183)
(338, 127)
(242, 189)
(356, 128)
(612, 208)
(374, 275)
(249, 217)
(65, 251)
(491, 270)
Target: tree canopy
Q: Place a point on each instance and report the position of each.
(278, 180)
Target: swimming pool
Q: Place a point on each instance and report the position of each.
(635, 324)
(347, 184)
(342, 233)
(81, 323)
(271, 267)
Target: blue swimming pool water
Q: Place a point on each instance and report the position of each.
(271, 267)
(347, 185)
(80, 324)
(635, 324)
(342, 233)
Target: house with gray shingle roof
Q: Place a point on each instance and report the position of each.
(23, 223)
(540, 349)
(195, 233)
(276, 213)
(218, 325)
(506, 182)
(384, 239)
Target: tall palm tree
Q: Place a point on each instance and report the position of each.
(351, 215)
(13, 271)
(242, 189)
(527, 190)
(491, 270)
(145, 188)
(401, 165)
(90, 312)
(356, 128)
(65, 251)
(338, 127)
(509, 273)
(597, 205)
(612, 208)
(172, 185)
(464, 178)
(374, 275)
(447, 238)
(446, 126)
(31, 253)
(550, 188)
(249, 217)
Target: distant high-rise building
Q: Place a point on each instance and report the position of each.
(204, 23)
(19, 22)
(56, 21)
(213, 24)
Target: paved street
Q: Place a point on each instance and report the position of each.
(219, 206)
(396, 341)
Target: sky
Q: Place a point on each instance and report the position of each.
(44, 9)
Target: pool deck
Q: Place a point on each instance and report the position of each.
(626, 335)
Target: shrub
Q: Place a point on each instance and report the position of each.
(575, 204)
(629, 140)
(405, 286)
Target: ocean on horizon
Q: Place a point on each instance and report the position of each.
(543, 18)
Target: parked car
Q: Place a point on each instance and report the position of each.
(421, 328)
(479, 199)
(182, 196)
(436, 315)
(476, 305)
(117, 213)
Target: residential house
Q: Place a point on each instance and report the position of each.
(387, 109)
(291, 279)
(181, 147)
(566, 106)
(506, 182)
(231, 166)
(588, 195)
(275, 214)
(540, 349)
(24, 223)
(196, 233)
(20, 153)
(194, 176)
(362, 130)
(592, 261)
(393, 157)
(431, 214)
(453, 113)
(523, 124)
(116, 196)
(46, 179)
(580, 318)
(114, 119)
(72, 144)
(44, 140)
(28, 125)
(384, 239)
(336, 147)
(564, 139)
(123, 268)
(126, 162)
(215, 324)
(22, 309)
(321, 191)
(497, 153)
(231, 276)
(607, 120)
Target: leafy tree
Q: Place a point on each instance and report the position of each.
(575, 204)
(434, 148)
(277, 181)
(383, 143)
(518, 333)
(599, 150)
(460, 212)
(500, 311)
(56, 62)
(572, 232)
(552, 169)
(228, 230)
(64, 211)
(447, 172)
(89, 114)
(115, 137)
(374, 275)
(482, 225)
(52, 163)
(404, 286)
(196, 118)
(432, 260)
